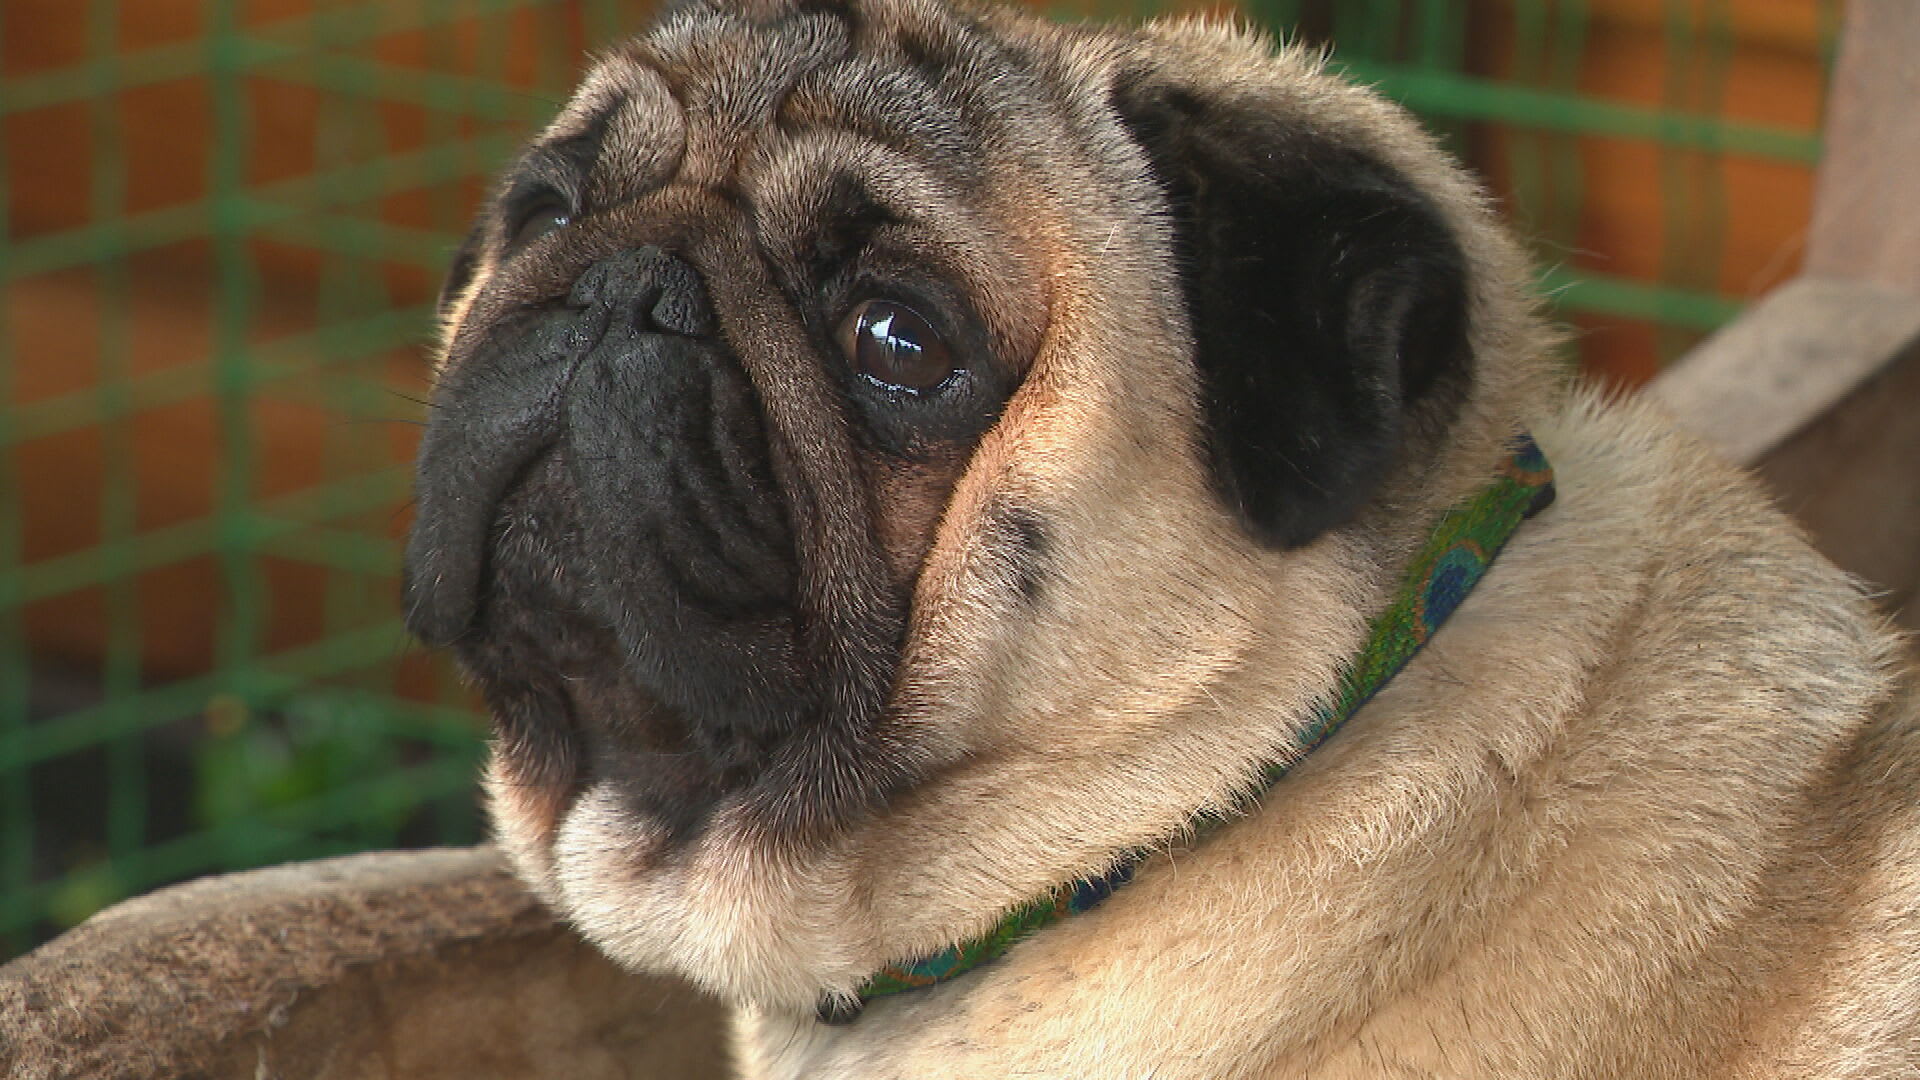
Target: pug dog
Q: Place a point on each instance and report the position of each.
(1011, 549)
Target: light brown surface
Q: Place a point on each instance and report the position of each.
(1866, 220)
(422, 965)
(1798, 353)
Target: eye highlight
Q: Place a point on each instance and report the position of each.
(891, 344)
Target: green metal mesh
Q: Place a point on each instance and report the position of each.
(223, 226)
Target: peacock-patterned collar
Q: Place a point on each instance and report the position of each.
(1457, 553)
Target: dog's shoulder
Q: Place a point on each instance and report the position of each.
(1647, 803)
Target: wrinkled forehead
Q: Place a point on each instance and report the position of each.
(733, 98)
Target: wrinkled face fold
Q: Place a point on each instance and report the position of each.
(716, 353)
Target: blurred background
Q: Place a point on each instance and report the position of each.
(223, 225)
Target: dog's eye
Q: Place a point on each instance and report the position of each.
(548, 215)
(894, 346)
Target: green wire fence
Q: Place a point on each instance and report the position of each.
(223, 227)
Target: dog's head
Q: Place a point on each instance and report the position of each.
(866, 428)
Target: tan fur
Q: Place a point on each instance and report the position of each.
(1645, 808)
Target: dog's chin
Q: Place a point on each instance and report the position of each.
(562, 735)
(613, 807)
(725, 913)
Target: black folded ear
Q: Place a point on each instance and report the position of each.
(1328, 301)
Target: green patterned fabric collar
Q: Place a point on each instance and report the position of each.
(1451, 562)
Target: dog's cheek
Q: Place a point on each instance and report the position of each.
(909, 498)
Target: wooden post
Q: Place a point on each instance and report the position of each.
(1866, 214)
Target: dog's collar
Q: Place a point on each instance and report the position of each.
(1451, 562)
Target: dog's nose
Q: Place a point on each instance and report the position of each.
(499, 409)
(661, 293)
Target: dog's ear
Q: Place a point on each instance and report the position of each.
(1328, 301)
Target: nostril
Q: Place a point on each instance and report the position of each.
(593, 285)
(682, 312)
(662, 293)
